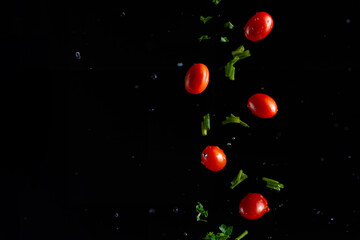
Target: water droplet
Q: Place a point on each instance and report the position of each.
(154, 76)
(175, 210)
(151, 109)
(228, 144)
(77, 55)
(233, 138)
(152, 211)
(185, 234)
(348, 20)
(117, 228)
(116, 215)
(136, 86)
(122, 14)
(180, 64)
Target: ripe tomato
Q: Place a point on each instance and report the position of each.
(197, 78)
(213, 158)
(262, 105)
(258, 26)
(253, 206)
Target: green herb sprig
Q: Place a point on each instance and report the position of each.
(201, 212)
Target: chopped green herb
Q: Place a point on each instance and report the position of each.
(216, 2)
(242, 235)
(205, 125)
(201, 212)
(241, 53)
(241, 176)
(230, 69)
(205, 19)
(204, 37)
(228, 25)
(273, 184)
(234, 119)
(224, 39)
(223, 235)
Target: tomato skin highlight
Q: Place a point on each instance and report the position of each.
(258, 26)
(213, 158)
(197, 78)
(253, 206)
(262, 105)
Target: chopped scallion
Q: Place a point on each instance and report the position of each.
(228, 25)
(234, 119)
(205, 19)
(216, 2)
(205, 124)
(224, 39)
(273, 184)
(241, 176)
(204, 37)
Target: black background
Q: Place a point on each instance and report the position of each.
(120, 154)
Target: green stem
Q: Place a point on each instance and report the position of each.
(242, 235)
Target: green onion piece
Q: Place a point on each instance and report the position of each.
(234, 119)
(216, 2)
(273, 184)
(269, 180)
(228, 25)
(207, 121)
(241, 176)
(203, 129)
(205, 19)
(205, 125)
(242, 235)
(241, 53)
(224, 39)
(230, 69)
(204, 37)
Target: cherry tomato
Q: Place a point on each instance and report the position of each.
(258, 26)
(253, 206)
(262, 105)
(213, 158)
(197, 78)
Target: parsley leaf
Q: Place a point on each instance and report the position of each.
(223, 235)
(201, 212)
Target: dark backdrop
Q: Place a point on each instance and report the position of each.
(120, 157)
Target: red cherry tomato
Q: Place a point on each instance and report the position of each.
(253, 206)
(213, 158)
(197, 78)
(258, 26)
(262, 105)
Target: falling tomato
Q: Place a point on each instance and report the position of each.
(253, 206)
(213, 158)
(258, 26)
(262, 105)
(197, 78)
